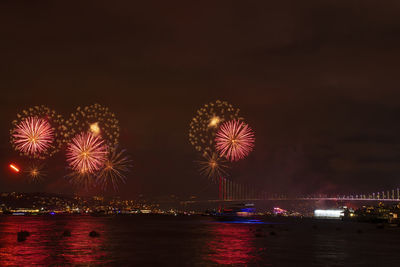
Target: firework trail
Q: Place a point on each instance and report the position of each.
(98, 120)
(204, 125)
(212, 166)
(86, 153)
(114, 170)
(38, 132)
(234, 140)
(14, 167)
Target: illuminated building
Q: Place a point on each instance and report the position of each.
(329, 213)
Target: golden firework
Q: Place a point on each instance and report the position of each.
(212, 166)
(94, 128)
(82, 179)
(96, 119)
(115, 169)
(35, 173)
(203, 126)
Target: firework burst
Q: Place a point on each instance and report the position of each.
(33, 136)
(86, 153)
(204, 125)
(38, 132)
(35, 173)
(114, 170)
(84, 180)
(234, 140)
(98, 120)
(212, 166)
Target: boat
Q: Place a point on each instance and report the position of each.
(241, 212)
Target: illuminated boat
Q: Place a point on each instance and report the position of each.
(237, 212)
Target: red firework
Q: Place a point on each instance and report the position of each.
(234, 140)
(86, 153)
(33, 136)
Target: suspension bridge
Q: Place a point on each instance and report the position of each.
(229, 190)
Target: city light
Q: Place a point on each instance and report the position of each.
(279, 211)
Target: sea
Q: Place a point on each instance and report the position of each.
(157, 240)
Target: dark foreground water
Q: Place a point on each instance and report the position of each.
(195, 241)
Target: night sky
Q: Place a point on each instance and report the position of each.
(317, 81)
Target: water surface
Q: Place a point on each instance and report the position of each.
(194, 241)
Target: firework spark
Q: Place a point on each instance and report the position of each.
(204, 125)
(84, 180)
(33, 136)
(86, 153)
(212, 166)
(35, 173)
(234, 140)
(94, 128)
(96, 119)
(38, 132)
(114, 169)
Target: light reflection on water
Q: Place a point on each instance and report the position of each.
(329, 248)
(125, 241)
(80, 247)
(23, 253)
(46, 245)
(193, 241)
(232, 244)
